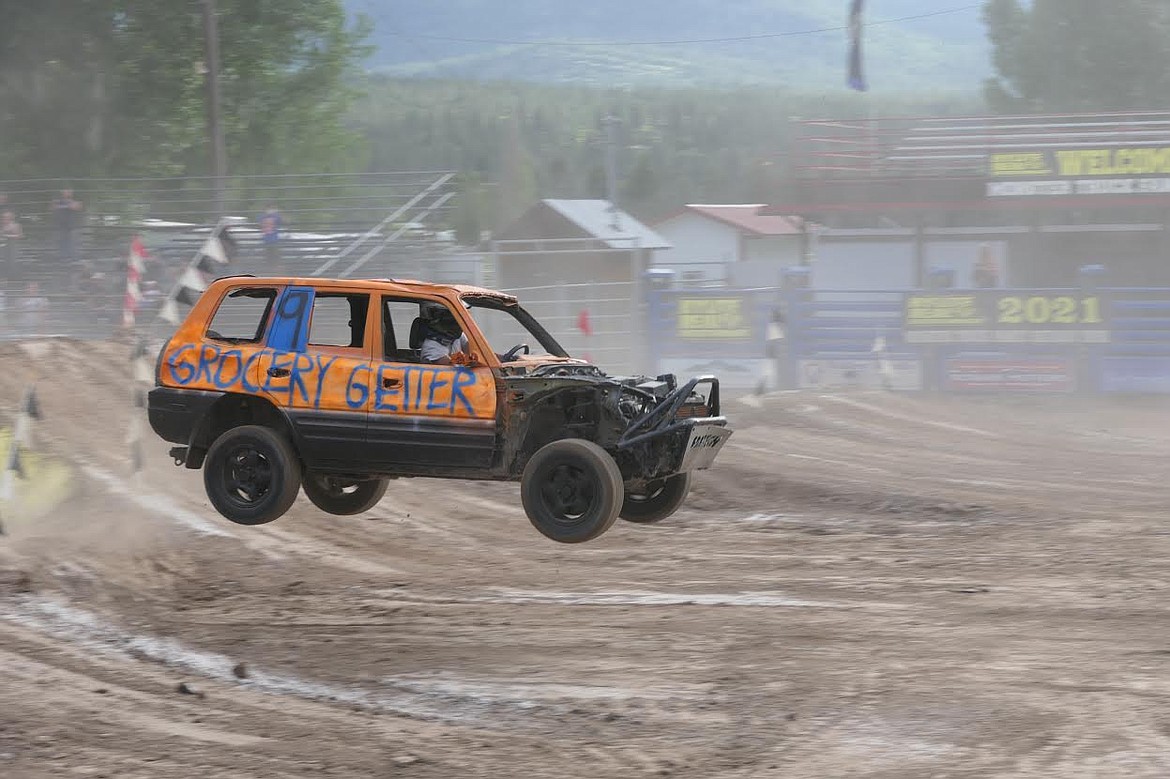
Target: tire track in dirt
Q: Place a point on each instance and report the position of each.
(279, 718)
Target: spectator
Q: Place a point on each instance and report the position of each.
(32, 308)
(67, 218)
(10, 236)
(777, 346)
(986, 275)
(270, 224)
(775, 374)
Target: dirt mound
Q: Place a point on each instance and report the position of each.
(865, 585)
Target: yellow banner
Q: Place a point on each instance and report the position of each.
(1081, 163)
(945, 310)
(712, 318)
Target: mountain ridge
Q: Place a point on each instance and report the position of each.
(604, 43)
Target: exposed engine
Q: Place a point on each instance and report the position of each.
(561, 370)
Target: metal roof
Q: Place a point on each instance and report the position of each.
(615, 227)
(751, 219)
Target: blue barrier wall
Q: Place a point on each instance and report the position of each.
(1109, 340)
(1138, 357)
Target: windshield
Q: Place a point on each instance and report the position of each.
(506, 326)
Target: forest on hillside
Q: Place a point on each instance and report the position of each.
(674, 146)
(116, 88)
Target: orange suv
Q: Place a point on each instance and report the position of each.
(272, 385)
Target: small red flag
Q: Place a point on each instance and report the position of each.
(583, 323)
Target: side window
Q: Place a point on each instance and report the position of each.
(242, 316)
(397, 319)
(339, 320)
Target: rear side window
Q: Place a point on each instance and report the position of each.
(339, 320)
(242, 316)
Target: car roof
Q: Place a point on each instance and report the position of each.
(399, 286)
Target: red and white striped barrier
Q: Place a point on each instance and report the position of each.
(135, 270)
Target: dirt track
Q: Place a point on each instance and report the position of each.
(864, 586)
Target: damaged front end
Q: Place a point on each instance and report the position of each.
(653, 427)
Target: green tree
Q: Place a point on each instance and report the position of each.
(516, 175)
(107, 87)
(642, 183)
(470, 210)
(1077, 55)
(55, 61)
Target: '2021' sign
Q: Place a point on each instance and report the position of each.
(990, 316)
(1043, 310)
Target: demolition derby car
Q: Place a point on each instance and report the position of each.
(272, 385)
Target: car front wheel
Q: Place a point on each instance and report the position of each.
(572, 491)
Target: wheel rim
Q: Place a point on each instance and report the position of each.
(568, 493)
(247, 475)
(646, 497)
(335, 488)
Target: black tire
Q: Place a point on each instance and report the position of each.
(572, 491)
(252, 475)
(343, 497)
(658, 503)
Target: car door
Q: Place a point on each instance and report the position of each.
(427, 416)
(316, 367)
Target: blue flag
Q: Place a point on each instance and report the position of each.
(856, 75)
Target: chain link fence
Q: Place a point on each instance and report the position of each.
(590, 320)
(66, 250)
(358, 226)
(311, 202)
(63, 271)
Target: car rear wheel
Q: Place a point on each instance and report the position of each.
(572, 491)
(658, 501)
(343, 497)
(251, 475)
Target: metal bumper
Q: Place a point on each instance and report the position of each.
(660, 442)
(662, 420)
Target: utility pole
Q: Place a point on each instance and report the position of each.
(611, 122)
(214, 123)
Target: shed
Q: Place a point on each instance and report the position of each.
(736, 243)
(566, 258)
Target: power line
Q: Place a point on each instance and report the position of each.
(411, 39)
(735, 39)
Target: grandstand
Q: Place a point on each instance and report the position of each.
(1055, 192)
(388, 221)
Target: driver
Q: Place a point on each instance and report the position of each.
(443, 337)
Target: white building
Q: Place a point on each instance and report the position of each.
(735, 244)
